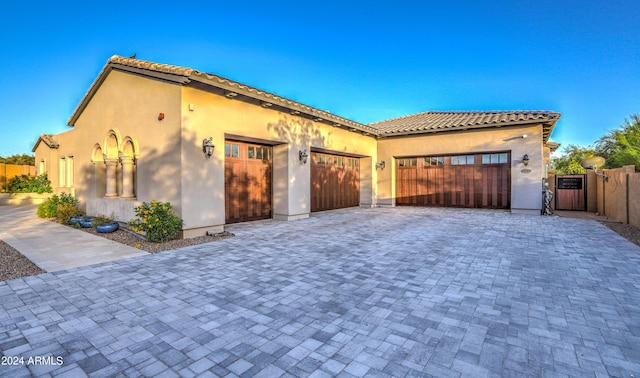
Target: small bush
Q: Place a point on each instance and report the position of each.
(101, 221)
(29, 184)
(157, 221)
(49, 208)
(64, 212)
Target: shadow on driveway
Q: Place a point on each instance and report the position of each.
(386, 292)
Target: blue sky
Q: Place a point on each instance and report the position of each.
(362, 60)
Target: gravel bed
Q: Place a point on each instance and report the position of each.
(129, 238)
(627, 231)
(15, 265)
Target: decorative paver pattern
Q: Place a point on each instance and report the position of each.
(354, 292)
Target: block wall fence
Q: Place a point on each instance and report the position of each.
(9, 171)
(619, 197)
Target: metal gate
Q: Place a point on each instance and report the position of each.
(571, 192)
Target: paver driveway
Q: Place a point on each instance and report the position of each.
(381, 292)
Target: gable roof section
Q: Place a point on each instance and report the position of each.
(46, 139)
(217, 84)
(430, 122)
(164, 72)
(553, 146)
(420, 123)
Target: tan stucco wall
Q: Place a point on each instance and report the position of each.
(634, 199)
(51, 158)
(619, 196)
(210, 115)
(592, 192)
(128, 105)
(526, 188)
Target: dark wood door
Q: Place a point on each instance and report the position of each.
(247, 181)
(571, 192)
(335, 182)
(472, 180)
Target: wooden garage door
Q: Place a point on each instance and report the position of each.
(473, 180)
(247, 181)
(335, 182)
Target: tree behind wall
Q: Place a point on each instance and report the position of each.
(622, 146)
(569, 162)
(23, 159)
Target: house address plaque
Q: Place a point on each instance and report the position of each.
(570, 183)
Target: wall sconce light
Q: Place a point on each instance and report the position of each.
(525, 160)
(380, 165)
(160, 116)
(302, 155)
(207, 147)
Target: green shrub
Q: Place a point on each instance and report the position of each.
(157, 221)
(101, 221)
(29, 184)
(64, 212)
(49, 208)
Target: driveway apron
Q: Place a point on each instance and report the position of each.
(355, 292)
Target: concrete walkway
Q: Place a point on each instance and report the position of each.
(54, 247)
(349, 293)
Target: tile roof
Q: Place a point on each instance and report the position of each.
(184, 75)
(420, 123)
(450, 121)
(151, 66)
(47, 139)
(553, 146)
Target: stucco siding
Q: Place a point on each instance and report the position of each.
(526, 189)
(207, 115)
(129, 105)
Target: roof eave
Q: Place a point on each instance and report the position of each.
(53, 144)
(293, 107)
(544, 123)
(115, 63)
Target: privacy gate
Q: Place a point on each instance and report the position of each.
(571, 193)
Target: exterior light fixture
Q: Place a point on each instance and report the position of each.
(302, 155)
(525, 159)
(380, 165)
(207, 147)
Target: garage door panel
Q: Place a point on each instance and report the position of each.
(471, 181)
(248, 182)
(335, 182)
